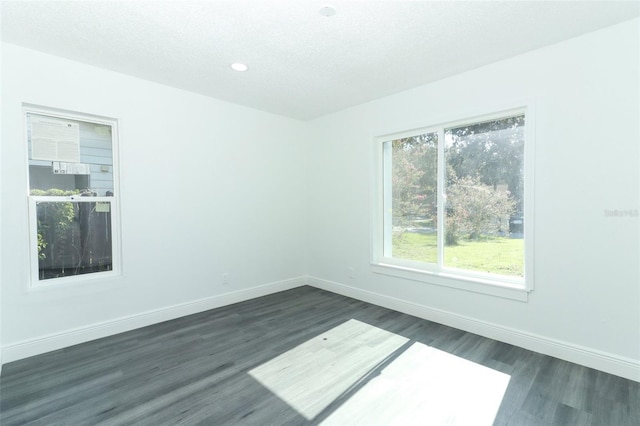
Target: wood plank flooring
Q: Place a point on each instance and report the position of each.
(303, 357)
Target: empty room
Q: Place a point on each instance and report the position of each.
(301, 212)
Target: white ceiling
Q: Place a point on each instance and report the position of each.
(302, 65)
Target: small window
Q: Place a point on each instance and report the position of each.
(453, 204)
(73, 197)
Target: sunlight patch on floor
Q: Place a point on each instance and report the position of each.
(312, 375)
(377, 378)
(426, 386)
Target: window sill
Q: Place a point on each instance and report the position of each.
(451, 279)
(94, 278)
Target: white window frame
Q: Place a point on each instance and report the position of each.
(116, 270)
(491, 284)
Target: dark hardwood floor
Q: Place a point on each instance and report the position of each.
(306, 356)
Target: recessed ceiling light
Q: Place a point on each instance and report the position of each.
(327, 11)
(237, 66)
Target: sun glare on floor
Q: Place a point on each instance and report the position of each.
(312, 375)
(373, 376)
(426, 386)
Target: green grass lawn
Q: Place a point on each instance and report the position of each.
(497, 255)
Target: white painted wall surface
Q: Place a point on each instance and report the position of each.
(587, 142)
(1, 361)
(207, 187)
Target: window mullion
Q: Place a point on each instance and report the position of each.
(441, 175)
(387, 206)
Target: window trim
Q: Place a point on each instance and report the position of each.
(34, 282)
(489, 284)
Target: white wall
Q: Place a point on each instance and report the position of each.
(207, 188)
(1, 361)
(587, 137)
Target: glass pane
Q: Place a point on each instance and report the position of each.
(69, 155)
(485, 197)
(73, 238)
(413, 187)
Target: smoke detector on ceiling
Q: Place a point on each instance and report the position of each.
(327, 11)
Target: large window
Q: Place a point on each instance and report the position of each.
(453, 203)
(72, 196)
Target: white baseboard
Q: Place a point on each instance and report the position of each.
(609, 363)
(620, 366)
(52, 342)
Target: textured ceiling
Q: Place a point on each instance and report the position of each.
(302, 64)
